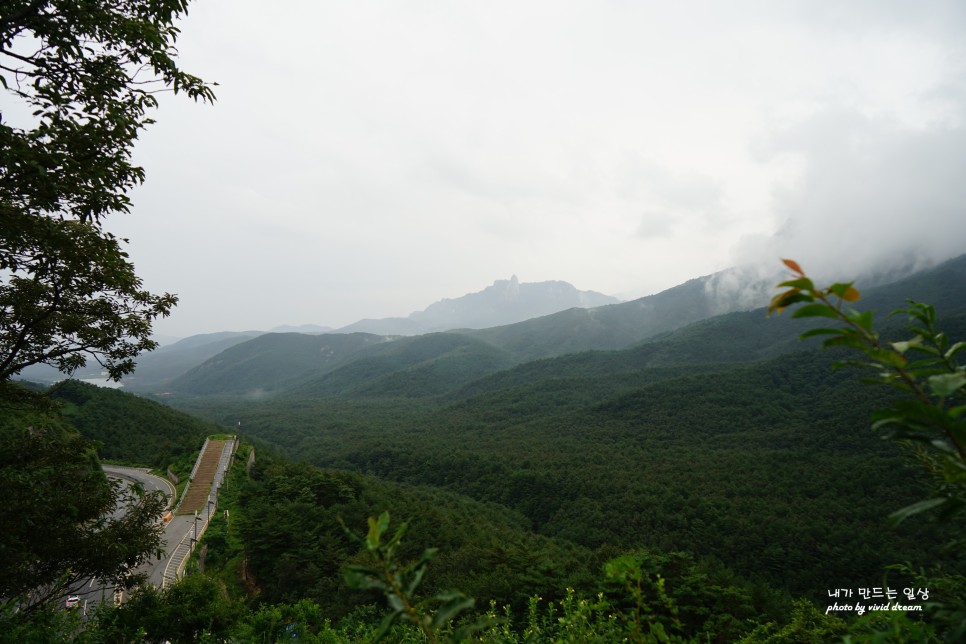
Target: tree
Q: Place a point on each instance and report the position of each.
(88, 72)
(59, 529)
(83, 76)
(398, 582)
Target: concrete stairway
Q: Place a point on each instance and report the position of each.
(200, 486)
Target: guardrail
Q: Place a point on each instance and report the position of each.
(182, 552)
(191, 477)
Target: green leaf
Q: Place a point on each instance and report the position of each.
(887, 357)
(814, 332)
(815, 310)
(847, 339)
(864, 320)
(376, 529)
(802, 283)
(416, 578)
(943, 445)
(953, 350)
(397, 537)
(946, 384)
(899, 516)
(395, 602)
(905, 345)
(845, 291)
(454, 603)
(363, 578)
(786, 299)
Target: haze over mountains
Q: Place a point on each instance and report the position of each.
(256, 365)
(504, 302)
(505, 324)
(345, 362)
(621, 426)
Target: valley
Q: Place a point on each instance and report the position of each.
(725, 445)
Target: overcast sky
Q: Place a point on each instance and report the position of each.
(365, 159)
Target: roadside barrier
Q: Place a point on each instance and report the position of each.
(178, 559)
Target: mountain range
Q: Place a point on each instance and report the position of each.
(257, 363)
(253, 365)
(662, 423)
(356, 362)
(504, 302)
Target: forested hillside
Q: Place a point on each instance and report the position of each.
(726, 438)
(130, 429)
(727, 457)
(769, 468)
(271, 362)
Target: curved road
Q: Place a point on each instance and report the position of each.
(94, 591)
(178, 531)
(150, 482)
(174, 530)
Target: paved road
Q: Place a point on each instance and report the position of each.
(150, 482)
(94, 591)
(175, 530)
(178, 531)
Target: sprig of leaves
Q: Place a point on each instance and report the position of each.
(924, 366)
(399, 582)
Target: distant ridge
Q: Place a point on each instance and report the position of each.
(158, 367)
(618, 326)
(366, 364)
(271, 362)
(503, 302)
(310, 329)
(613, 326)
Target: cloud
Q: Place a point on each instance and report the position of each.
(365, 159)
(873, 196)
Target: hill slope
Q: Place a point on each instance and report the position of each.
(671, 329)
(271, 362)
(425, 365)
(131, 429)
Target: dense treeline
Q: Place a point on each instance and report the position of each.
(133, 430)
(273, 572)
(728, 483)
(288, 545)
(770, 468)
(290, 519)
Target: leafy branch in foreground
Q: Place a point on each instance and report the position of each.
(399, 582)
(929, 419)
(87, 74)
(924, 366)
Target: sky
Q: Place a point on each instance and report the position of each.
(366, 159)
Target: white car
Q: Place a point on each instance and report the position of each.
(73, 601)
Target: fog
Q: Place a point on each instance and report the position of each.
(366, 159)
